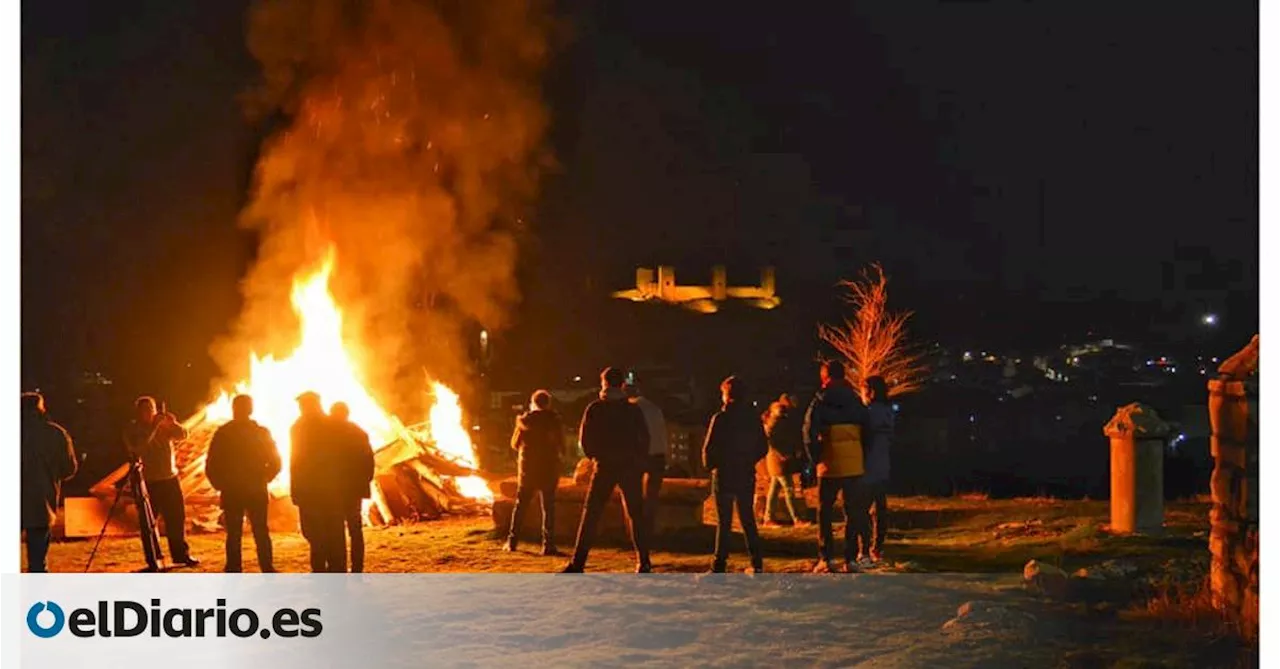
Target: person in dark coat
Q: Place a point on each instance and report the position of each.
(834, 427)
(875, 482)
(315, 478)
(151, 437)
(613, 434)
(538, 440)
(242, 460)
(735, 442)
(786, 449)
(48, 459)
(357, 472)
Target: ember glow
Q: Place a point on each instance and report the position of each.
(323, 363)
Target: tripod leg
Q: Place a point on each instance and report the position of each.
(103, 531)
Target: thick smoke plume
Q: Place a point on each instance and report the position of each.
(411, 142)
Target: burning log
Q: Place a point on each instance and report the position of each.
(413, 481)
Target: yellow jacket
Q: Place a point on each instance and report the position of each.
(841, 452)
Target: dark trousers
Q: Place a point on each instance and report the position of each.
(166, 501)
(603, 481)
(353, 517)
(855, 513)
(322, 528)
(37, 549)
(544, 487)
(236, 508)
(873, 540)
(653, 476)
(743, 494)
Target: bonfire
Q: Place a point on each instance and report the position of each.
(424, 469)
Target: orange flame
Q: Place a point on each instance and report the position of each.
(322, 363)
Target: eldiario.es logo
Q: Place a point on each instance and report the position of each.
(123, 618)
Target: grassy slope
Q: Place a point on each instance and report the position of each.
(930, 535)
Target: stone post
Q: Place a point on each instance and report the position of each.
(1138, 438)
(1233, 571)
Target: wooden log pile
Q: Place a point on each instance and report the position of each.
(413, 481)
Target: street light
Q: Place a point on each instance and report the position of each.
(1210, 319)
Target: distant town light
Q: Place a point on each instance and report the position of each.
(577, 379)
(1210, 319)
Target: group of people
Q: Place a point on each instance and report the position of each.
(331, 469)
(841, 441)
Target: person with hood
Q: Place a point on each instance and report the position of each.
(48, 459)
(315, 481)
(538, 441)
(786, 446)
(614, 435)
(735, 442)
(150, 438)
(876, 479)
(656, 465)
(833, 430)
(242, 460)
(357, 474)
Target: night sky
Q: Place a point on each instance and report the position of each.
(1005, 161)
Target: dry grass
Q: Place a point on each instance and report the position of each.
(1190, 608)
(927, 534)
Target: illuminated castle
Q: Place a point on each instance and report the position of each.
(703, 299)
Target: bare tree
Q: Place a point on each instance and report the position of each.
(873, 340)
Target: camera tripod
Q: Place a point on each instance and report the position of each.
(146, 520)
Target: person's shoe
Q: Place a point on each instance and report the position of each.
(270, 570)
(824, 567)
(717, 569)
(572, 568)
(551, 551)
(801, 523)
(510, 546)
(849, 567)
(769, 524)
(876, 557)
(864, 561)
(644, 568)
(188, 561)
(753, 570)
(232, 570)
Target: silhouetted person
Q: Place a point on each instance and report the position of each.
(538, 440)
(735, 443)
(613, 434)
(875, 481)
(833, 429)
(151, 437)
(357, 472)
(48, 459)
(656, 464)
(786, 448)
(316, 485)
(242, 460)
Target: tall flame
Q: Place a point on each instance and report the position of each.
(322, 363)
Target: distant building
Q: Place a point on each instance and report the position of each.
(703, 299)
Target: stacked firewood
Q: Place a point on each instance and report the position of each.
(413, 481)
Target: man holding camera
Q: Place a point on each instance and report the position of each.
(149, 439)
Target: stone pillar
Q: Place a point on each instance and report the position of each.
(1233, 571)
(1138, 438)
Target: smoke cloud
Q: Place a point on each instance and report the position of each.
(411, 142)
